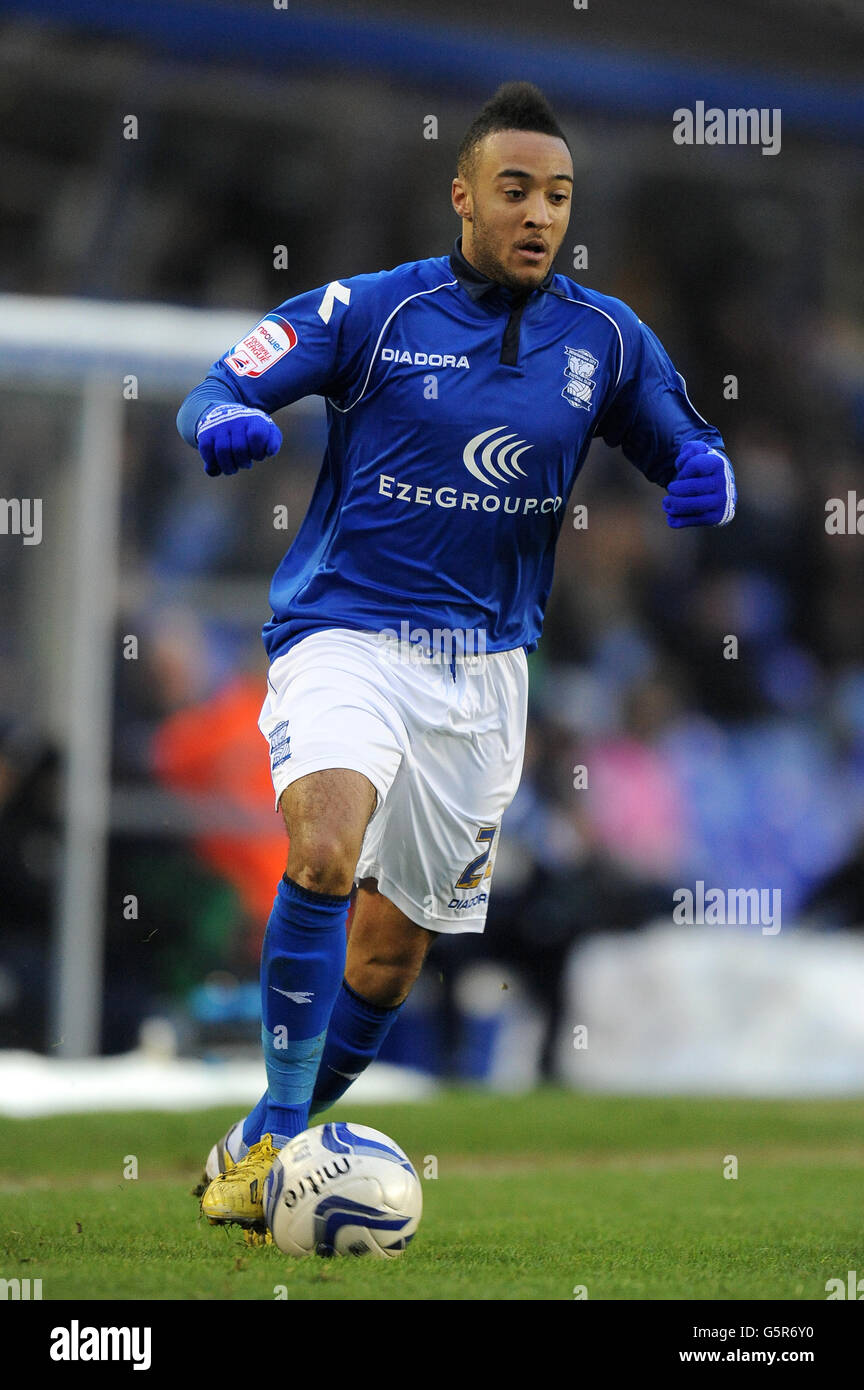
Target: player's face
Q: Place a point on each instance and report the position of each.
(516, 208)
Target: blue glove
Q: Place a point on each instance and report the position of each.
(703, 492)
(231, 436)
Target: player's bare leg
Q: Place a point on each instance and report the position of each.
(326, 814)
(385, 948)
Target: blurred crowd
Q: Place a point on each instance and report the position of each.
(697, 701)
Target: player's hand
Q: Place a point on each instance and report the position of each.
(233, 436)
(703, 492)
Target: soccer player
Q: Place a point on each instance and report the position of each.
(462, 394)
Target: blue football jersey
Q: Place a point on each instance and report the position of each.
(459, 414)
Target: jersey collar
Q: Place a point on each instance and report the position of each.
(476, 285)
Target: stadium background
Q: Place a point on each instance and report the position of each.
(304, 128)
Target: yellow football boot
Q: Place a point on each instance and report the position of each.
(236, 1197)
(223, 1156)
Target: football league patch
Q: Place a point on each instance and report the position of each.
(267, 344)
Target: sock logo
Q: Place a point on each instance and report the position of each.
(297, 996)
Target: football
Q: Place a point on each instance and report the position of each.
(342, 1189)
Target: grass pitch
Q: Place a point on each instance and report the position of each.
(536, 1197)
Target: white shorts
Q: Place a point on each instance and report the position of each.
(444, 756)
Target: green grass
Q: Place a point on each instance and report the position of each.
(534, 1196)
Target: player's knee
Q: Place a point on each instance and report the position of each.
(322, 863)
(384, 982)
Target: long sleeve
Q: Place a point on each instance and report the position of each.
(651, 415)
(211, 391)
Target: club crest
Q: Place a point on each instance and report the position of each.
(581, 366)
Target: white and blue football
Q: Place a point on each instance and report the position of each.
(342, 1189)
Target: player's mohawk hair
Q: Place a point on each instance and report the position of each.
(515, 106)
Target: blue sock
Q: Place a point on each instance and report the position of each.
(302, 961)
(357, 1030)
(255, 1123)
